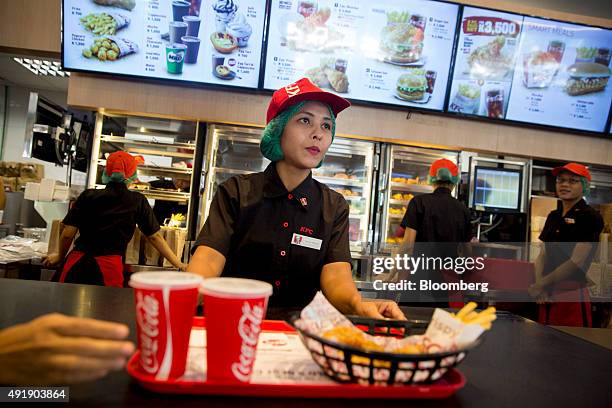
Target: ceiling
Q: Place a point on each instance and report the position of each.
(13, 73)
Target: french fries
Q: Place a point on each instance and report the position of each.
(469, 315)
(99, 24)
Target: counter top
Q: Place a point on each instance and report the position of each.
(520, 363)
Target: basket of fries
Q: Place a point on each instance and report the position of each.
(386, 352)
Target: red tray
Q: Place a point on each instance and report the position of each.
(452, 381)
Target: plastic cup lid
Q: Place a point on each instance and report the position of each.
(156, 280)
(235, 288)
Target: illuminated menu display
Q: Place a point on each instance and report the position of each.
(394, 51)
(207, 41)
(532, 70)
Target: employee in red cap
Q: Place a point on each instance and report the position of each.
(106, 220)
(570, 237)
(437, 223)
(282, 226)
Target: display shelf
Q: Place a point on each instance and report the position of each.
(415, 188)
(154, 170)
(153, 142)
(339, 181)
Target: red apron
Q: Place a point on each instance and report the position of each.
(105, 270)
(570, 305)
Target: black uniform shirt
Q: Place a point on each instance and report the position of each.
(270, 234)
(106, 219)
(582, 223)
(438, 217)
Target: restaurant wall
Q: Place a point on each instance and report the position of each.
(364, 122)
(30, 27)
(15, 125)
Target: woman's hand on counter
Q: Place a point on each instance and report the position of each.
(57, 349)
(380, 309)
(536, 290)
(183, 267)
(52, 260)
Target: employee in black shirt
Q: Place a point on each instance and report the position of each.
(105, 220)
(570, 236)
(436, 223)
(282, 226)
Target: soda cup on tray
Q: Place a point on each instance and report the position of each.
(165, 305)
(234, 310)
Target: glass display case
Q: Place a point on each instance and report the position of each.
(347, 168)
(167, 149)
(403, 177)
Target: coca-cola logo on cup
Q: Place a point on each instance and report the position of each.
(248, 329)
(147, 312)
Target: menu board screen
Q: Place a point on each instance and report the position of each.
(394, 51)
(562, 76)
(484, 63)
(532, 70)
(207, 41)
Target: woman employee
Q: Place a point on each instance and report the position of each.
(570, 236)
(281, 225)
(436, 224)
(105, 220)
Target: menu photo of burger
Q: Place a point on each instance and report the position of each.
(402, 39)
(587, 77)
(415, 85)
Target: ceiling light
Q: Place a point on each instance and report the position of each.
(42, 67)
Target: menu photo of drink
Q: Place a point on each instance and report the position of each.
(561, 77)
(394, 52)
(207, 41)
(484, 63)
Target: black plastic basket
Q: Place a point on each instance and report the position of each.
(349, 364)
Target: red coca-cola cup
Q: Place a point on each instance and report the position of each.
(165, 306)
(234, 309)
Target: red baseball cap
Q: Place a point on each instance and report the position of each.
(121, 162)
(443, 164)
(576, 168)
(303, 90)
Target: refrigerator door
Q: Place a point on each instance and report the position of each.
(230, 150)
(348, 169)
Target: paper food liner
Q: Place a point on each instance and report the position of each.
(121, 20)
(444, 334)
(176, 241)
(126, 46)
